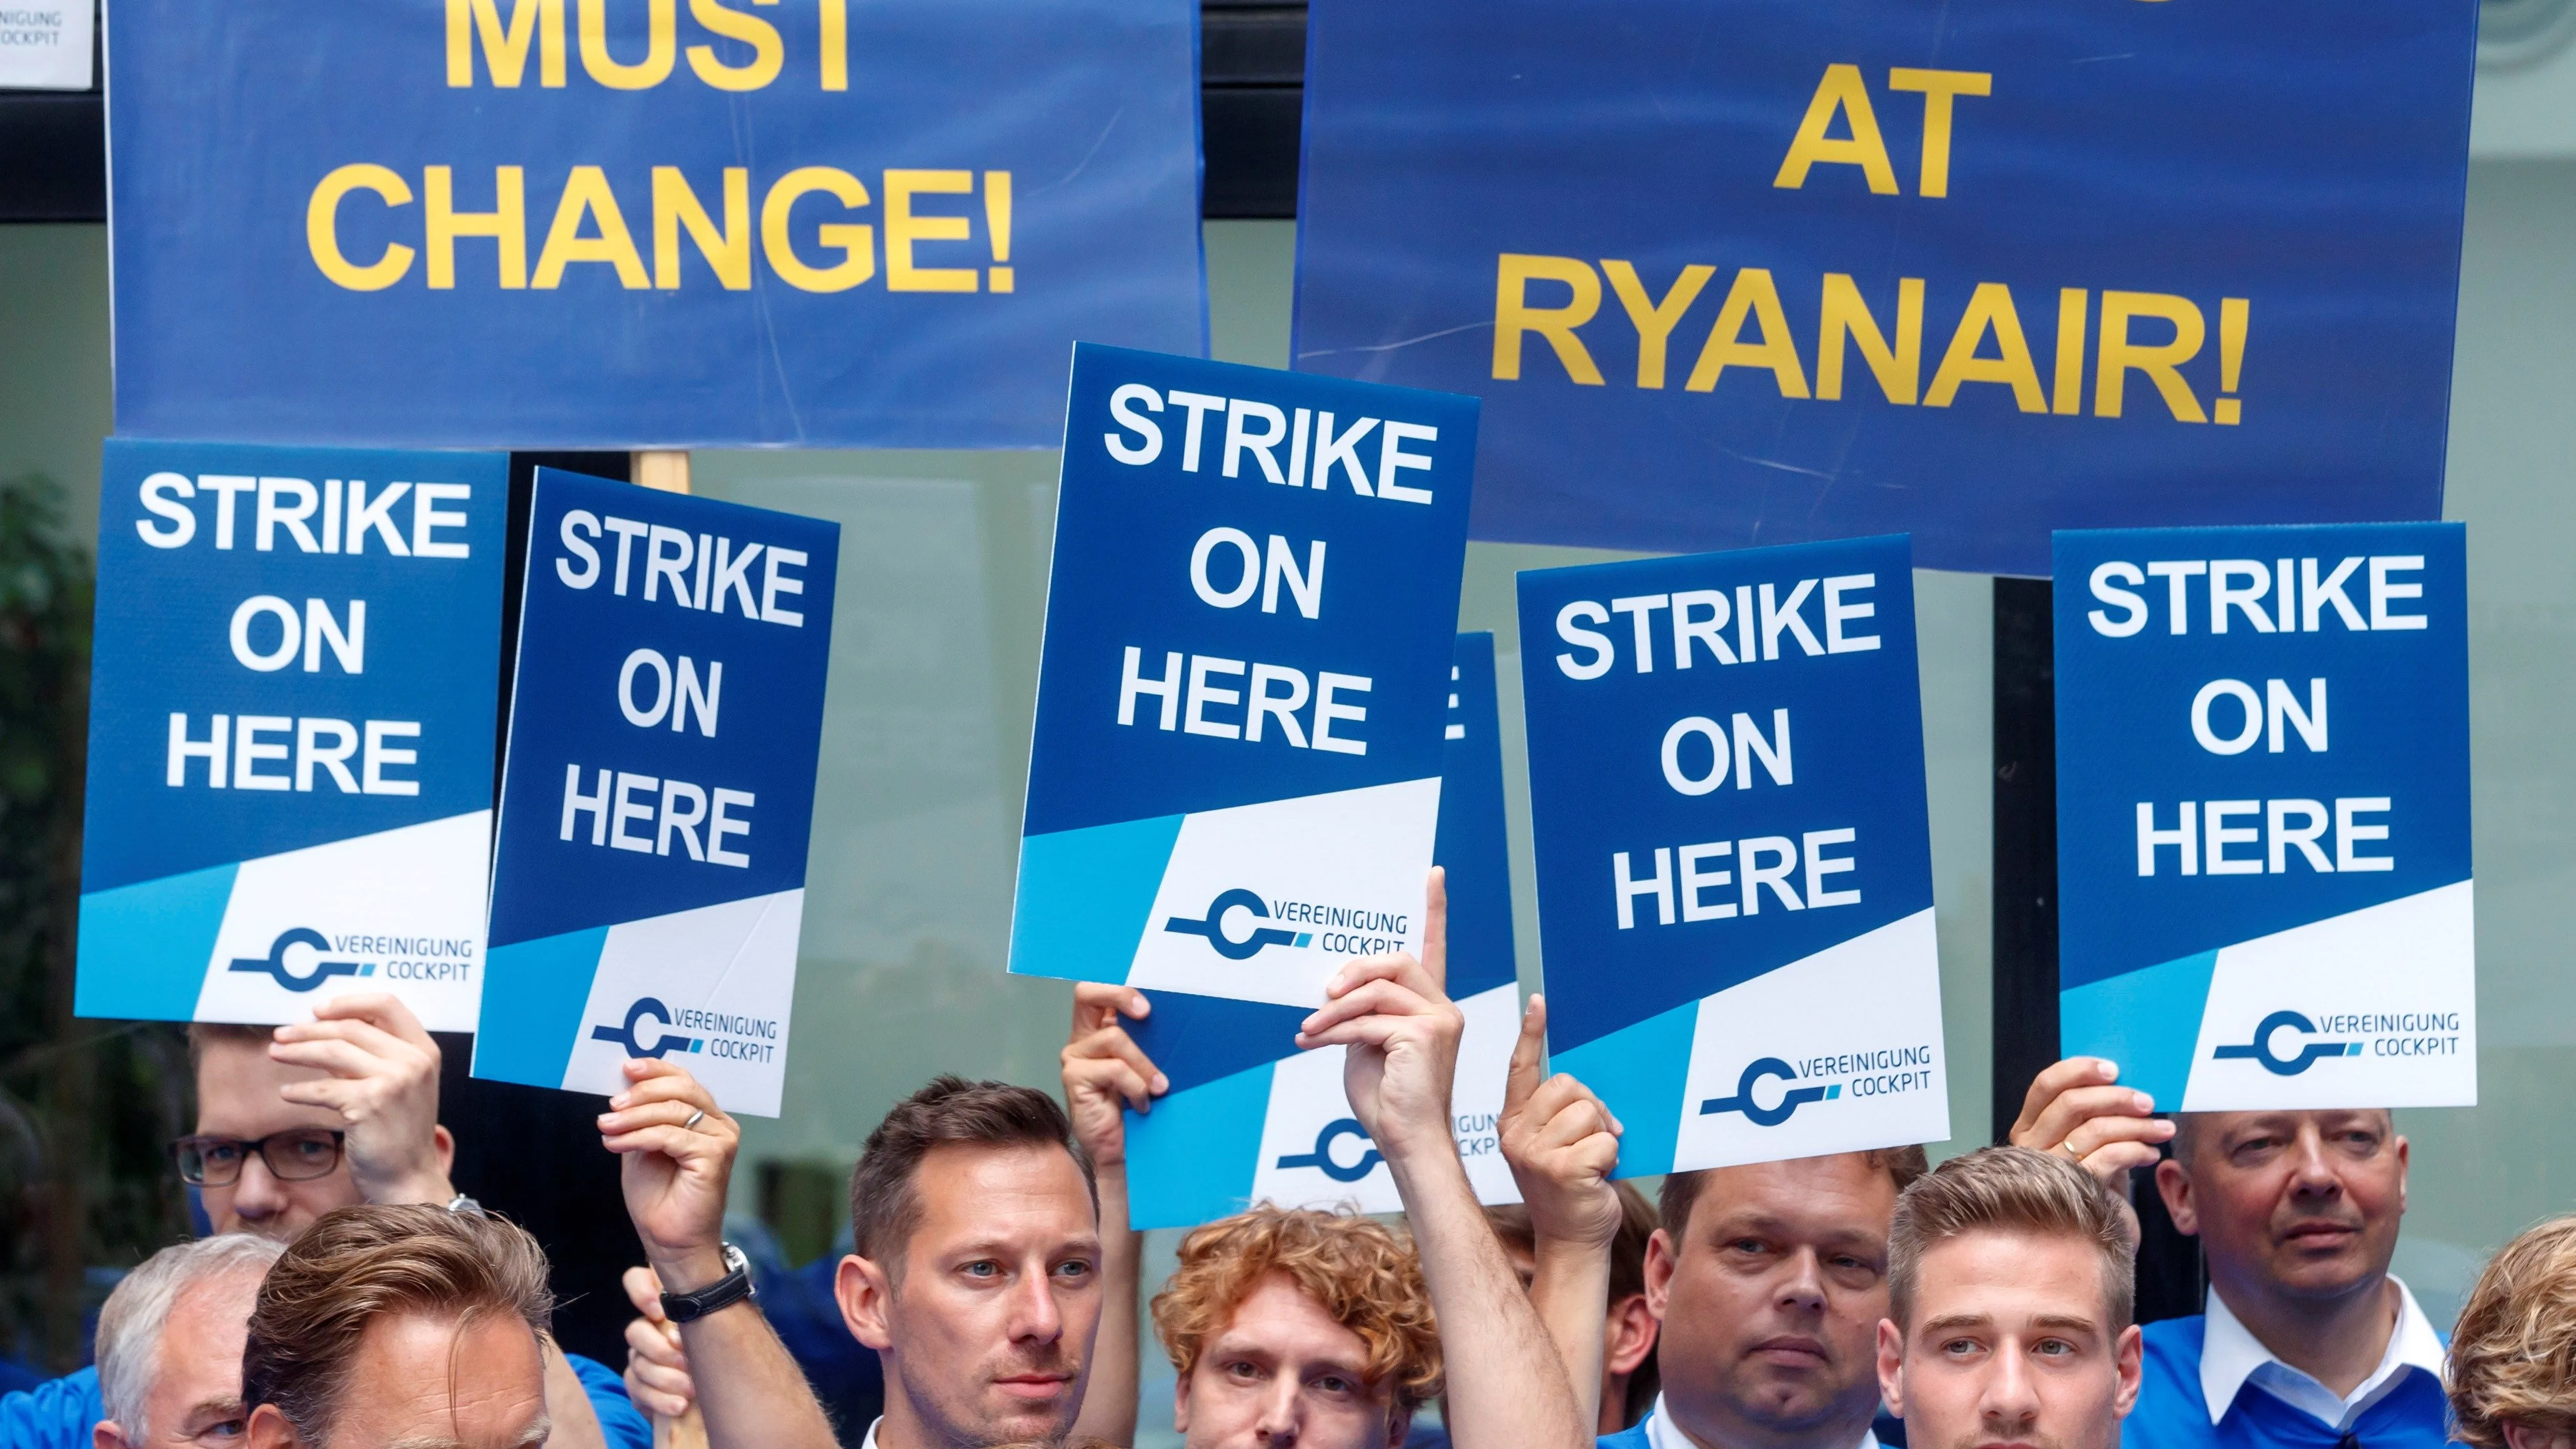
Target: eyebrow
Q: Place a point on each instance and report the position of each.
(2066, 1322)
(1949, 1321)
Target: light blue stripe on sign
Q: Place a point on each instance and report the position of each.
(147, 945)
(530, 1024)
(1639, 1071)
(1193, 1158)
(2147, 1021)
(1086, 895)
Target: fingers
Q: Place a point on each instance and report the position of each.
(2049, 1085)
(384, 1012)
(2112, 1164)
(1379, 997)
(341, 1059)
(2118, 1133)
(1098, 1004)
(652, 1343)
(1435, 928)
(1523, 1077)
(1110, 1075)
(644, 1290)
(1401, 969)
(2095, 1108)
(1567, 1111)
(659, 1080)
(1112, 1043)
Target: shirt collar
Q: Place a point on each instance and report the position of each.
(1663, 1433)
(870, 1442)
(2230, 1355)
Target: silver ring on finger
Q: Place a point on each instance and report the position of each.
(695, 1118)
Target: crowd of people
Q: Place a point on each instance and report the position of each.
(351, 1298)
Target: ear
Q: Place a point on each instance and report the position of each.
(1181, 1405)
(1891, 1366)
(2401, 1211)
(443, 1142)
(107, 1434)
(268, 1429)
(1663, 1257)
(1398, 1424)
(2527, 1436)
(2173, 1184)
(866, 1296)
(1630, 1336)
(2129, 1354)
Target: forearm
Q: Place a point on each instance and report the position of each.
(750, 1391)
(1570, 1294)
(1109, 1394)
(1507, 1387)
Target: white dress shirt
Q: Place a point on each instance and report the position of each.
(1663, 1433)
(2230, 1356)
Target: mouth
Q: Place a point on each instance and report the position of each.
(1790, 1350)
(2320, 1235)
(1034, 1388)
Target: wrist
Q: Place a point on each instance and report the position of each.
(686, 1270)
(428, 1185)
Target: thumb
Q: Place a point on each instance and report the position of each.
(1527, 1055)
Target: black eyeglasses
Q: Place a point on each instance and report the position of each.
(298, 1155)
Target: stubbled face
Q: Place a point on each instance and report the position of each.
(2299, 1203)
(1284, 1373)
(195, 1399)
(2010, 1347)
(237, 1096)
(429, 1382)
(1770, 1302)
(991, 1320)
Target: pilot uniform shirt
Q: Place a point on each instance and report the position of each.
(2210, 1384)
(1658, 1431)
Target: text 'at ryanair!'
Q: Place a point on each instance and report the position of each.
(1734, 864)
(1235, 780)
(293, 683)
(649, 873)
(2263, 814)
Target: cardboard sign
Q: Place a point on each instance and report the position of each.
(2263, 814)
(1777, 270)
(575, 224)
(47, 46)
(1235, 779)
(291, 720)
(1734, 865)
(649, 876)
(1250, 1118)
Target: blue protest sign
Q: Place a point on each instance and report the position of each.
(1734, 864)
(291, 716)
(1235, 777)
(649, 871)
(1250, 1118)
(2263, 814)
(1779, 269)
(565, 223)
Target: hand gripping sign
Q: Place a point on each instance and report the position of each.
(1734, 867)
(290, 760)
(1250, 1118)
(2263, 814)
(649, 878)
(1235, 779)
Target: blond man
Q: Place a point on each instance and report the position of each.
(2513, 1355)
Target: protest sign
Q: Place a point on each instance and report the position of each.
(1250, 1118)
(1235, 777)
(2263, 814)
(292, 688)
(1777, 270)
(572, 224)
(658, 790)
(1734, 864)
(47, 46)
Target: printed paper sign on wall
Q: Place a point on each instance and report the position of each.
(1773, 270)
(572, 224)
(2263, 814)
(649, 876)
(1235, 778)
(1250, 1118)
(291, 719)
(1734, 865)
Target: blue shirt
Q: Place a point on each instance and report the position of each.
(60, 1413)
(2174, 1412)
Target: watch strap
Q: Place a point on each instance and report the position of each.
(734, 1287)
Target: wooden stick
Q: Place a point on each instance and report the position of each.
(666, 470)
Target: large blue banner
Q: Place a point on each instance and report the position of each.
(1771, 270)
(1235, 777)
(1734, 861)
(572, 223)
(648, 880)
(2263, 832)
(292, 689)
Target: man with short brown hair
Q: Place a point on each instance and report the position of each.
(408, 1325)
(2011, 1277)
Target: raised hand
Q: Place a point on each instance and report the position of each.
(2075, 1108)
(679, 1148)
(1561, 1143)
(384, 1085)
(1402, 1031)
(1105, 1071)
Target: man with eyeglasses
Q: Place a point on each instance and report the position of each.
(292, 1122)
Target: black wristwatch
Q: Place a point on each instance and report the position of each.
(734, 1287)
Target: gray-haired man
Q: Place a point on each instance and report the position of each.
(170, 1343)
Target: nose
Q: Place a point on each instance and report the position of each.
(1035, 1318)
(2312, 1172)
(257, 1194)
(2008, 1401)
(1282, 1409)
(1802, 1289)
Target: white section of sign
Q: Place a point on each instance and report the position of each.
(1860, 1020)
(1307, 1098)
(2393, 985)
(725, 976)
(401, 910)
(1343, 868)
(45, 45)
